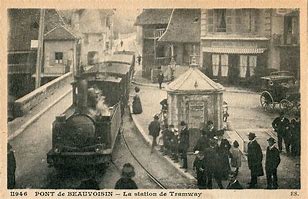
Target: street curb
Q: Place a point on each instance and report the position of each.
(37, 116)
(148, 141)
(230, 91)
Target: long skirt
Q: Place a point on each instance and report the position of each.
(137, 107)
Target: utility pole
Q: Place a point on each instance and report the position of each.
(40, 49)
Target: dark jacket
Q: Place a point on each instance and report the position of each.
(234, 185)
(281, 127)
(154, 128)
(89, 184)
(210, 133)
(200, 166)
(184, 139)
(160, 77)
(202, 144)
(126, 183)
(272, 158)
(255, 157)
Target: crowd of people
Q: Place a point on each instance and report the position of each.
(217, 159)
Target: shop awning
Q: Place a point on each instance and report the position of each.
(234, 50)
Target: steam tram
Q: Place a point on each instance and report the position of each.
(86, 132)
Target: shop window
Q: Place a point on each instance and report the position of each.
(247, 62)
(58, 57)
(220, 62)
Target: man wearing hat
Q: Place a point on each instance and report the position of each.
(255, 157)
(154, 129)
(281, 126)
(199, 166)
(184, 144)
(271, 163)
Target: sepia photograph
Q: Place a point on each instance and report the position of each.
(153, 98)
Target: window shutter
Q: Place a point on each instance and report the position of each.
(52, 59)
(229, 20)
(65, 57)
(210, 21)
(238, 21)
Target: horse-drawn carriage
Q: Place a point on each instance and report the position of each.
(280, 88)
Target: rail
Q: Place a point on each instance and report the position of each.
(155, 180)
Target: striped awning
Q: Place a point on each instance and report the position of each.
(234, 50)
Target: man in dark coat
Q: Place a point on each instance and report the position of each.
(209, 130)
(281, 126)
(202, 143)
(213, 166)
(154, 129)
(166, 133)
(160, 78)
(271, 163)
(255, 157)
(223, 150)
(184, 144)
(11, 167)
(295, 128)
(174, 143)
(233, 183)
(199, 165)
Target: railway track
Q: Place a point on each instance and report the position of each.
(152, 177)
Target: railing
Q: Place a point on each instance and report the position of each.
(285, 39)
(153, 33)
(23, 68)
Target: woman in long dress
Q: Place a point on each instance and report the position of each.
(137, 107)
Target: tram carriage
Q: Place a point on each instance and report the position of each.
(86, 132)
(280, 88)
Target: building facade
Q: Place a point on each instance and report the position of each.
(238, 43)
(22, 46)
(60, 52)
(96, 29)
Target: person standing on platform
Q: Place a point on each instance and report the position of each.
(236, 157)
(209, 130)
(137, 107)
(199, 165)
(184, 144)
(154, 129)
(223, 150)
(281, 126)
(295, 129)
(160, 78)
(174, 143)
(11, 167)
(271, 163)
(255, 157)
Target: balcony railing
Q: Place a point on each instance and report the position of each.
(153, 33)
(23, 68)
(285, 39)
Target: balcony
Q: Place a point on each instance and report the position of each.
(153, 33)
(22, 68)
(285, 40)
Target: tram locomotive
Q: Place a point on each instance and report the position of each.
(86, 132)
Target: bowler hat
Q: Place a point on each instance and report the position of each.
(251, 135)
(271, 140)
(183, 123)
(156, 117)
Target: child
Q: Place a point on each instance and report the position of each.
(236, 157)
(225, 111)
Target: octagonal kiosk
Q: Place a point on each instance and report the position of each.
(195, 98)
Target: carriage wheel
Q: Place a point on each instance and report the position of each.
(285, 105)
(267, 101)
